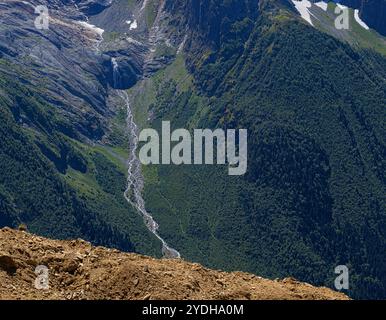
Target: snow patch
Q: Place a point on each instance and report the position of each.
(132, 24)
(91, 27)
(302, 7)
(28, 4)
(341, 6)
(359, 20)
(323, 5)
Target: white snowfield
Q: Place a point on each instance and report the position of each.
(132, 24)
(323, 5)
(359, 20)
(341, 6)
(91, 27)
(302, 7)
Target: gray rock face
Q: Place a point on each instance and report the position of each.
(129, 55)
(61, 64)
(91, 7)
(7, 263)
(69, 65)
(211, 19)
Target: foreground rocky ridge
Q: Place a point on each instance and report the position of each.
(77, 270)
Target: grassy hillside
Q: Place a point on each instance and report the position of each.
(356, 35)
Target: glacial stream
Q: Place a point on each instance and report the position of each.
(135, 181)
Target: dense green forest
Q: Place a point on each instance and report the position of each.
(313, 196)
(58, 186)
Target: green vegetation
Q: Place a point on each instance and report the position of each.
(313, 196)
(151, 12)
(57, 185)
(356, 36)
(314, 106)
(110, 36)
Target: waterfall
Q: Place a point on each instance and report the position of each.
(135, 181)
(116, 75)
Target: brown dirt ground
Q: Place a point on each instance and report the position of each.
(77, 270)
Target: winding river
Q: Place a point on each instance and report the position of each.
(135, 181)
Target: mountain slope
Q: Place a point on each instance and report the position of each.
(63, 144)
(311, 98)
(372, 11)
(313, 196)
